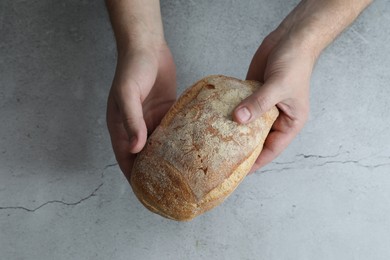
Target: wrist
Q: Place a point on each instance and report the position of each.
(142, 42)
(316, 23)
(137, 24)
(303, 36)
(296, 40)
(305, 28)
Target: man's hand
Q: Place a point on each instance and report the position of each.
(144, 86)
(284, 63)
(143, 90)
(286, 69)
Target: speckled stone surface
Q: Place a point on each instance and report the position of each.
(63, 197)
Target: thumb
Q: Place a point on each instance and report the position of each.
(133, 121)
(256, 104)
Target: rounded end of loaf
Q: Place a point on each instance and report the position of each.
(165, 192)
(160, 188)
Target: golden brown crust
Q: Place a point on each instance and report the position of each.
(198, 155)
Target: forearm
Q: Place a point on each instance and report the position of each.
(136, 23)
(316, 23)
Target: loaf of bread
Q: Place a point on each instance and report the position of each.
(198, 155)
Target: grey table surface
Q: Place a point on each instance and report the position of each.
(62, 196)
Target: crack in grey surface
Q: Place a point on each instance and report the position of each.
(306, 156)
(92, 194)
(356, 162)
(56, 201)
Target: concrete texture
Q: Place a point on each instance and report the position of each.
(63, 197)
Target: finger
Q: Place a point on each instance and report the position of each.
(119, 138)
(275, 143)
(132, 117)
(281, 135)
(132, 83)
(257, 104)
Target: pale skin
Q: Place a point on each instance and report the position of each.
(144, 86)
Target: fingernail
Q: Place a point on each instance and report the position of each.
(243, 114)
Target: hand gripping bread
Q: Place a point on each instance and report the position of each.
(198, 155)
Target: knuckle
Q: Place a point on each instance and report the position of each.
(261, 103)
(129, 124)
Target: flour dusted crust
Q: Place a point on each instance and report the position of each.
(198, 155)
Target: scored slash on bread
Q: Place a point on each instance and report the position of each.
(198, 155)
